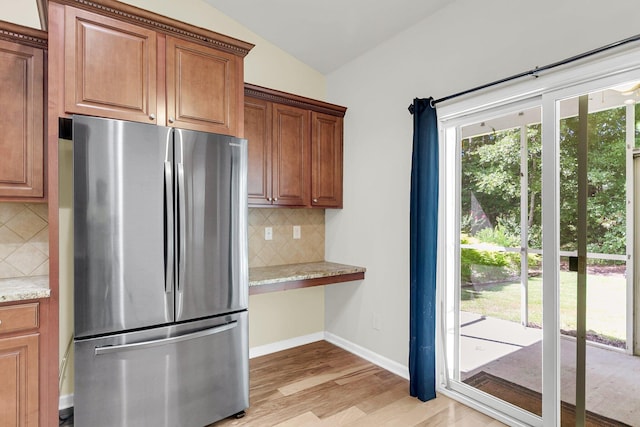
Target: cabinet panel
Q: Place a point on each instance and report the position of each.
(110, 67)
(326, 160)
(290, 156)
(21, 121)
(201, 87)
(257, 130)
(19, 387)
(15, 318)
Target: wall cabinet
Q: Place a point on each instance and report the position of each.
(326, 160)
(19, 341)
(110, 67)
(22, 74)
(295, 149)
(138, 67)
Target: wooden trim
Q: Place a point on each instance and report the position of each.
(133, 15)
(23, 35)
(307, 283)
(49, 309)
(280, 97)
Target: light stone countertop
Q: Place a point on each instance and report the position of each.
(291, 272)
(24, 288)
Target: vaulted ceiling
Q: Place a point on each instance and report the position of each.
(327, 34)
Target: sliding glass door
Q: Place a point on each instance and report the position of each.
(496, 301)
(596, 133)
(538, 270)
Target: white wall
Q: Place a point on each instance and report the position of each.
(24, 12)
(463, 45)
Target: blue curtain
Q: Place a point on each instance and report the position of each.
(423, 247)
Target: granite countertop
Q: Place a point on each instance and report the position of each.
(24, 288)
(292, 272)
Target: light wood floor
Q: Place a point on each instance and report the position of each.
(322, 385)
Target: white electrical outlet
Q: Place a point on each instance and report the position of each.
(268, 233)
(296, 231)
(375, 322)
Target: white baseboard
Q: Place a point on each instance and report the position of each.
(66, 401)
(284, 345)
(375, 358)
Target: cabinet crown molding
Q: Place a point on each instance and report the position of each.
(23, 35)
(132, 14)
(272, 95)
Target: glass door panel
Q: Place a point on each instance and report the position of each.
(500, 275)
(594, 134)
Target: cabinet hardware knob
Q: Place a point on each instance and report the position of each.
(275, 199)
(0, 321)
(315, 200)
(171, 119)
(152, 116)
(268, 199)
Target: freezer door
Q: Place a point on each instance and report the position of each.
(212, 273)
(188, 375)
(123, 239)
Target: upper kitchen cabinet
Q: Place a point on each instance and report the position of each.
(127, 63)
(22, 74)
(110, 67)
(202, 87)
(326, 160)
(290, 156)
(295, 149)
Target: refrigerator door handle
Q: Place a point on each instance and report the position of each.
(110, 349)
(182, 209)
(169, 233)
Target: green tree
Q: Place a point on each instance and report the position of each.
(491, 174)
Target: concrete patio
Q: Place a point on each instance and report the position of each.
(511, 351)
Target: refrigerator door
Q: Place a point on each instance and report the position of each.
(189, 375)
(211, 210)
(123, 238)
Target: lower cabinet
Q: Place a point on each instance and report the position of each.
(19, 352)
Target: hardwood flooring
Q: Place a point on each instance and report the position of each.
(321, 385)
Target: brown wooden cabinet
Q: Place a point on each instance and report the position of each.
(202, 86)
(110, 67)
(278, 135)
(326, 160)
(22, 74)
(290, 156)
(257, 130)
(125, 63)
(295, 149)
(19, 370)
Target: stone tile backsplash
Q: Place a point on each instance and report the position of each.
(284, 249)
(24, 240)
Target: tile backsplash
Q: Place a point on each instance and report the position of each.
(284, 249)
(24, 240)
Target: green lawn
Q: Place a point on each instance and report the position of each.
(606, 296)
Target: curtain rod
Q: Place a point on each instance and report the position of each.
(536, 70)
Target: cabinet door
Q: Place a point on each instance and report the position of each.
(201, 87)
(326, 160)
(19, 385)
(291, 156)
(257, 130)
(21, 121)
(110, 67)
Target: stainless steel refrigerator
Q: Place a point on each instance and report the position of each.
(160, 275)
